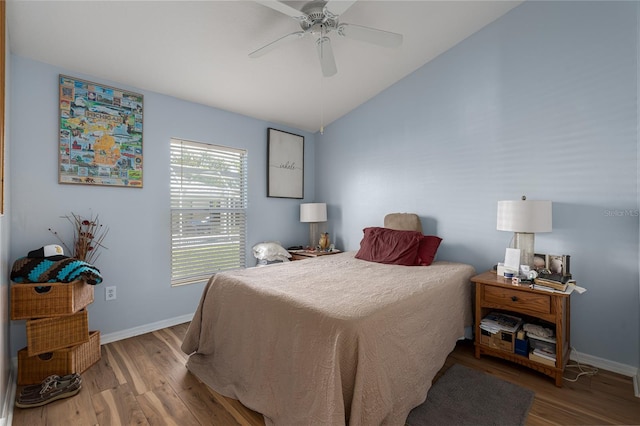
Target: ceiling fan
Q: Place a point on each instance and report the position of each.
(320, 18)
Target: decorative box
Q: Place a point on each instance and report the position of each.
(503, 340)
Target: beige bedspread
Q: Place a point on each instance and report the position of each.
(333, 340)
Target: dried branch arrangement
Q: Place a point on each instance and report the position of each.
(88, 235)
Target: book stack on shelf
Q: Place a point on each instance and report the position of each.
(542, 344)
(543, 357)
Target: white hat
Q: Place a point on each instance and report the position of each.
(53, 250)
(47, 251)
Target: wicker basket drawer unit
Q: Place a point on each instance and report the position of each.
(50, 334)
(46, 300)
(76, 359)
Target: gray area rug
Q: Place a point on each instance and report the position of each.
(463, 396)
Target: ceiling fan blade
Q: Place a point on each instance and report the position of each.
(336, 8)
(284, 8)
(370, 35)
(325, 53)
(275, 44)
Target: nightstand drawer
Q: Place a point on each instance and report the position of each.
(518, 300)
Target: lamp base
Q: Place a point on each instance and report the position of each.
(525, 242)
(313, 235)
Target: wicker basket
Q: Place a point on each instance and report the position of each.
(77, 359)
(46, 300)
(50, 334)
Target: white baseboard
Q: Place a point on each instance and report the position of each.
(605, 364)
(9, 397)
(636, 385)
(147, 328)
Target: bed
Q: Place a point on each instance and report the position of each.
(331, 340)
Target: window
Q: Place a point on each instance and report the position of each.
(208, 210)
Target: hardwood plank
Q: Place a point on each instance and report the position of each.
(108, 353)
(118, 406)
(205, 407)
(165, 358)
(173, 340)
(163, 407)
(100, 376)
(30, 416)
(138, 367)
(179, 330)
(75, 410)
(243, 415)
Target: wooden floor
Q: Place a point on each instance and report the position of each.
(143, 381)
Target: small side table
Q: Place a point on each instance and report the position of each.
(494, 292)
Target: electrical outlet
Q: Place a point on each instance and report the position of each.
(110, 293)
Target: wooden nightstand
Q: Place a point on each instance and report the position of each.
(309, 254)
(495, 293)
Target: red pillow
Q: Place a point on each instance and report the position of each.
(427, 249)
(384, 245)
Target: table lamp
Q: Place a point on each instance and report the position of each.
(313, 213)
(524, 218)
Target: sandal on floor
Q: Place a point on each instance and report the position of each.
(52, 391)
(53, 378)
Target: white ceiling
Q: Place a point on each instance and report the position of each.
(197, 50)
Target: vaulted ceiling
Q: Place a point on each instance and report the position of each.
(198, 50)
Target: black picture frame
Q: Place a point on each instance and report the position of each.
(285, 164)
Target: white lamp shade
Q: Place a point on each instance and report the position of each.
(524, 216)
(313, 212)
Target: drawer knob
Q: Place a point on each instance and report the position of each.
(514, 299)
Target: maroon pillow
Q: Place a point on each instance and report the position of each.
(427, 249)
(390, 246)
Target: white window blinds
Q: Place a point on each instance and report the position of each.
(208, 210)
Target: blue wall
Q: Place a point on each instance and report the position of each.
(138, 257)
(542, 102)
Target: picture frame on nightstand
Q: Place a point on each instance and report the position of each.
(540, 261)
(559, 264)
(554, 263)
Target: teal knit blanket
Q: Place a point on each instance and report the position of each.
(42, 270)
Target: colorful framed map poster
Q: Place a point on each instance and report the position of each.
(100, 134)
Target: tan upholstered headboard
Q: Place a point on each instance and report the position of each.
(403, 222)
